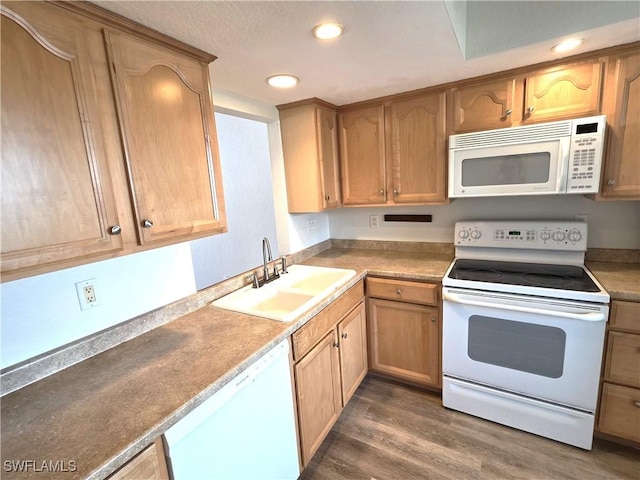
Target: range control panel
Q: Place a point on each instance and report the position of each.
(551, 235)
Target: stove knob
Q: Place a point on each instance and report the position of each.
(575, 236)
(463, 234)
(476, 234)
(544, 236)
(558, 236)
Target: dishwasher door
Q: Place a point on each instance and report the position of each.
(246, 430)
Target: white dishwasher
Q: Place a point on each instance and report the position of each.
(246, 430)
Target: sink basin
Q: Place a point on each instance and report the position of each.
(286, 298)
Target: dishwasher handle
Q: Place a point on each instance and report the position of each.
(589, 317)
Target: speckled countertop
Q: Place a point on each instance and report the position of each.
(104, 410)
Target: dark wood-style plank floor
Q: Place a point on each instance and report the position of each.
(393, 432)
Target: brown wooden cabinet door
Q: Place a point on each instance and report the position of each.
(168, 131)
(404, 341)
(317, 378)
(328, 157)
(485, 106)
(417, 166)
(362, 156)
(57, 199)
(563, 92)
(621, 178)
(352, 334)
(620, 412)
(150, 464)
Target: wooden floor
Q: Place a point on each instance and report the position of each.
(393, 432)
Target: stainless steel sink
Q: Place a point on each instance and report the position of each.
(286, 298)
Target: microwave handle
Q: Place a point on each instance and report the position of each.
(564, 154)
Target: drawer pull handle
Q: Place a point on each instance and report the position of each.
(344, 335)
(637, 404)
(398, 291)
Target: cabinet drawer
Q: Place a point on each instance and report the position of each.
(312, 332)
(625, 316)
(622, 363)
(620, 411)
(413, 292)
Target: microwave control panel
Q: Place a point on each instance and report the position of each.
(585, 157)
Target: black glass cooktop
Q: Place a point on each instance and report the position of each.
(561, 277)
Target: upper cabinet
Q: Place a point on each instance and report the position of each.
(621, 177)
(57, 198)
(565, 91)
(108, 138)
(486, 105)
(395, 153)
(167, 126)
(556, 93)
(417, 140)
(310, 146)
(362, 155)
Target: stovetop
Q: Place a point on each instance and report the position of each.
(560, 277)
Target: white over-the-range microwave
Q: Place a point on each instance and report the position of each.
(547, 158)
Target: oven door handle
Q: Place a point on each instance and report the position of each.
(589, 317)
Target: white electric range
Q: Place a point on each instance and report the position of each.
(523, 328)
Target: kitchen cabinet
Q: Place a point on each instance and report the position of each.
(564, 91)
(395, 153)
(362, 155)
(486, 105)
(330, 352)
(108, 142)
(404, 330)
(621, 177)
(555, 93)
(619, 413)
(309, 131)
(57, 199)
(168, 130)
(150, 464)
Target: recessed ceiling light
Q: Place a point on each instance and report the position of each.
(567, 45)
(325, 31)
(282, 80)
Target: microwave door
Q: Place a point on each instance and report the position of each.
(527, 169)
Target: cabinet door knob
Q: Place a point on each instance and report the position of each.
(530, 110)
(636, 404)
(336, 344)
(344, 335)
(396, 192)
(508, 112)
(381, 191)
(611, 182)
(398, 292)
(147, 224)
(434, 319)
(327, 198)
(115, 230)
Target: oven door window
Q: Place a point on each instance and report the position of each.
(537, 349)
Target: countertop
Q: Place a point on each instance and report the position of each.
(104, 410)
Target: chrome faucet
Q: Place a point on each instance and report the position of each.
(266, 258)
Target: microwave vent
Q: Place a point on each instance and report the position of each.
(515, 135)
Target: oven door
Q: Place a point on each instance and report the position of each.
(549, 349)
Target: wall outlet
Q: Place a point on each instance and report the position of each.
(581, 217)
(311, 226)
(88, 294)
(373, 221)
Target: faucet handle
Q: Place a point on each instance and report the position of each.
(283, 261)
(255, 283)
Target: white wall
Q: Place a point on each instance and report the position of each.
(611, 224)
(246, 176)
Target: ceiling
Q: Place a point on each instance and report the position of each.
(388, 46)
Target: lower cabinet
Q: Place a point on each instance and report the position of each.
(620, 396)
(150, 464)
(330, 353)
(404, 330)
